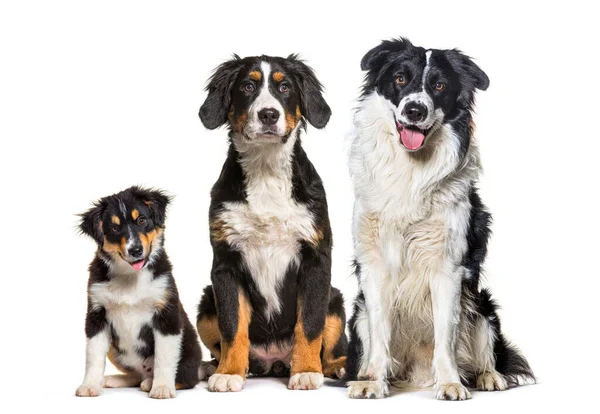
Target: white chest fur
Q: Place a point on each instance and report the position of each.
(267, 229)
(130, 302)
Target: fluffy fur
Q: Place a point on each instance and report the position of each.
(134, 315)
(270, 309)
(421, 231)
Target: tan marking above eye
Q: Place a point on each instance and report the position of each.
(278, 76)
(255, 75)
(135, 214)
(115, 220)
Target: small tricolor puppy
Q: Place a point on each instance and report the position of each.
(271, 309)
(134, 315)
(421, 231)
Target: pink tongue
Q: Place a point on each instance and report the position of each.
(138, 265)
(411, 139)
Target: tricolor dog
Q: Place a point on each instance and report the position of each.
(271, 309)
(421, 231)
(134, 315)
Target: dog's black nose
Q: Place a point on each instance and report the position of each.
(135, 251)
(268, 116)
(415, 112)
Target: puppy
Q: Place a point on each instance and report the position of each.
(134, 315)
(270, 309)
(421, 231)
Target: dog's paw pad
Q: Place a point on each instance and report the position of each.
(146, 385)
(225, 382)
(367, 389)
(452, 392)
(306, 381)
(88, 391)
(491, 381)
(162, 392)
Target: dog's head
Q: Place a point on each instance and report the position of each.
(425, 87)
(128, 226)
(264, 98)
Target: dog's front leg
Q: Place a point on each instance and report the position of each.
(445, 297)
(234, 313)
(167, 349)
(98, 343)
(374, 331)
(314, 278)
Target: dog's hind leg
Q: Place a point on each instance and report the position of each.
(335, 343)
(208, 326)
(122, 381)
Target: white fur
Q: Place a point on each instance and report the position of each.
(268, 228)
(167, 351)
(225, 382)
(306, 381)
(410, 222)
(95, 363)
(130, 301)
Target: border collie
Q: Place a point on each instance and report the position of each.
(420, 231)
(271, 309)
(134, 315)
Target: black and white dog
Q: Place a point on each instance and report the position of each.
(421, 230)
(271, 309)
(134, 314)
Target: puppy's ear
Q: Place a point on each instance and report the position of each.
(157, 201)
(375, 57)
(91, 221)
(214, 110)
(312, 104)
(472, 76)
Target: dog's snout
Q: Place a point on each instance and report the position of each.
(268, 116)
(415, 112)
(135, 251)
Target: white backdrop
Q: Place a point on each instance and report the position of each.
(95, 97)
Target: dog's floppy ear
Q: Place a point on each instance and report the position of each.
(91, 221)
(157, 201)
(376, 56)
(214, 110)
(472, 75)
(313, 105)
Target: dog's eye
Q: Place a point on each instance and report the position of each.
(249, 87)
(141, 220)
(401, 79)
(283, 88)
(114, 228)
(440, 86)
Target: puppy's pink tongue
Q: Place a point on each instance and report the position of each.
(138, 265)
(411, 139)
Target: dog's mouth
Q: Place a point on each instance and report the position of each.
(138, 265)
(411, 137)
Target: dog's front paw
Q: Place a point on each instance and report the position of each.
(162, 392)
(306, 381)
(146, 385)
(452, 391)
(491, 381)
(225, 382)
(367, 389)
(85, 390)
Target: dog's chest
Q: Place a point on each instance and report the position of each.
(268, 234)
(130, 304)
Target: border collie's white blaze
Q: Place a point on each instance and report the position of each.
(420, 232)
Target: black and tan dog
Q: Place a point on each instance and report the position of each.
(271, 309)
(134, 315)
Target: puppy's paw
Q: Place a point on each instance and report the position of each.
(367, 389)
(146, 385)
(452, 391)
(120, 381)
(162, 392)
(225, 382)
(491, 381)
(306, 381)
(85, 390)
